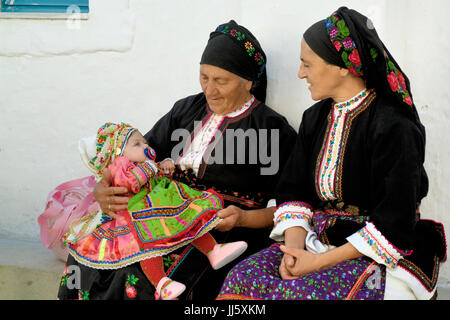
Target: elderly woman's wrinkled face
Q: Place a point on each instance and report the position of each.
(225, 92)
(324, 79)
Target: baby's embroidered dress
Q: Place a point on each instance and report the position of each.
(162, 215)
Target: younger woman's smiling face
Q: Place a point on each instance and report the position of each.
(324, 79)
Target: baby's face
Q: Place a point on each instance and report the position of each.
(134, 149)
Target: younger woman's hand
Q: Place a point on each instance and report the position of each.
(304, 262)
(287, 262)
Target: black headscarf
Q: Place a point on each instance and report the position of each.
(234, 48)
(349, 40)
(318, 40)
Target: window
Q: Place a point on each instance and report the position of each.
(44, 8)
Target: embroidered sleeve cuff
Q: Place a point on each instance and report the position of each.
(288, 215)
(142, 173)
(151, 168)
(370, 242)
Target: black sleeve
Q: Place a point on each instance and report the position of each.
(294, 183)
(395, 178)
(181, 116)
(285, 143)
(159, 136)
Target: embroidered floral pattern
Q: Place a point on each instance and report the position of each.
(130, 290)
(147, 168)
(247, 45)
(109, 136)
(169, 259)
(296, 203)
(353, 101)
(237, 34)
(379, 245)
(293, 210)
(397, 81)
(64, 277)
(258, 278)
(290, 214)
(83, 295)
(340, 37)
(165, 294)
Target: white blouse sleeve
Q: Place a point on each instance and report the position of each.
(370, 242)
(291, 214)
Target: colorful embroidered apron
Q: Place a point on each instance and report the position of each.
(160, 219)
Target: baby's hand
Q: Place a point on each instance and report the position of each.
(167, 166)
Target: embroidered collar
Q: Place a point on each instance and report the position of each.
(355, 101)
(242, 109)
(234, 113)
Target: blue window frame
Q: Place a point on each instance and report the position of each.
(44, 6)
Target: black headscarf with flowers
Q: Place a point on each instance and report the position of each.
(234, 48)
(349, 40)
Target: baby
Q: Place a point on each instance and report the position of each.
(163, 215)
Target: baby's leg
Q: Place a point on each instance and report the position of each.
(153, 269)
(166, 288)
(205, 243)
(219, 254)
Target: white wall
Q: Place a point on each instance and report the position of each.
(134, 58)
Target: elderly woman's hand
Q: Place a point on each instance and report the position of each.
(109, 197)
(167, 166)
(230, 216)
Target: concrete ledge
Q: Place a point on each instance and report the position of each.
(30, 255)
(28, 284)
(443, 292)
(28, 271)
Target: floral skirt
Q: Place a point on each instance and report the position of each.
(166, 216)
(258, 278)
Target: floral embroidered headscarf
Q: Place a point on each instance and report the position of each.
(110, 142)
(348, 39)
(234, 48)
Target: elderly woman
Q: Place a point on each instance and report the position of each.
(349, 195)
(234, 144)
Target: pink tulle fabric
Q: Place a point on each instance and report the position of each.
(67, 202)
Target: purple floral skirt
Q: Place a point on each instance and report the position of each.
(258, 278)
